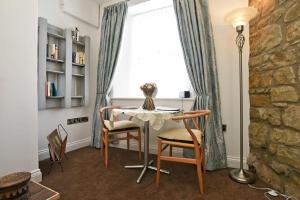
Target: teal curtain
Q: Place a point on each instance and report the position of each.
(199, 53)
(111, 34)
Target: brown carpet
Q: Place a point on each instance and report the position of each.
(85, 177)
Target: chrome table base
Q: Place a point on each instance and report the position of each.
(147, 164)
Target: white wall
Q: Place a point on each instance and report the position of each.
(228, 68)
(18, 86)
(48, 120)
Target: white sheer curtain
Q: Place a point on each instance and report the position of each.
(151, 52)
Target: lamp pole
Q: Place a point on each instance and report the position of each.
(240, 175)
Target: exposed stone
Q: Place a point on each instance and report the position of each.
(285, 75)
(264, 22)
(284, 58)
(261, 80)
(258, 113)
(289, 3)
(273, 116)
(285, 136)
(260, 91)
(292, 13)
(274, 89)
(264, 67)
(269, 176)
(267, 6)
(281, 1)
(258, 134)
(295, 177)
(253, 61)
(259, 100)
(272, 148)
(271, 37)
(284, 94)
(293, 32)
(252, 158)
(280, 168)
(281, 105)
(289, 156)
(292, 188)
(291, 116)
(276, 15)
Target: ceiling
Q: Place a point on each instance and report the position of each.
(218, 8)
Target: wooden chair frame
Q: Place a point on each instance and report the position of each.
(199, 149)
(106, 132)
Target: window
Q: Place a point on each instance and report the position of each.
(151, 52)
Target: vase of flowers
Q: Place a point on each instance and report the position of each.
(150, 91)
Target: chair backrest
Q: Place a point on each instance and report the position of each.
(104, 111)
(194, 116)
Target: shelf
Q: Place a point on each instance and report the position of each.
(55, 97)
(55, 60)
(78, 43)
(69, 78)
(77, 97)
(79, 65)
(56, 36)
(54, 71)
(78, 75)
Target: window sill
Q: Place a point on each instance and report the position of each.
(155, 99)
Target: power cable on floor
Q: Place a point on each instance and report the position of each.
(273, 193)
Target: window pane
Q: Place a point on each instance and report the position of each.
(151, 52)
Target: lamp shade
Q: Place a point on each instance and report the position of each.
(241, 16)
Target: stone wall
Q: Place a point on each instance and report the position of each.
(274, 83)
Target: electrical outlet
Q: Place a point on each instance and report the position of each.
(224, 127)
(77, 120)
(69, 121)
(84, 119)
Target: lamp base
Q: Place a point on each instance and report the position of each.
(242, 176)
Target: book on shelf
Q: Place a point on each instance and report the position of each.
(50, 89)
(78, 58)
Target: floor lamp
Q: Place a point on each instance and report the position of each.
(239, 18)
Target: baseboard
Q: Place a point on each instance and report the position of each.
(44, 153)
(234, 162)
(36, 175)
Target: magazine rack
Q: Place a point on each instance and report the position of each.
(57, 146)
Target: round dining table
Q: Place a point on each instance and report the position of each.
(156, 119)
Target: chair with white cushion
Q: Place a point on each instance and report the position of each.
(126, 127)
(185, 138)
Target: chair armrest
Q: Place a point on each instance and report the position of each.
(197, 111)
(194, 114)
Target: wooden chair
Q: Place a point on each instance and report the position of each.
(116, 128)
(185, 138)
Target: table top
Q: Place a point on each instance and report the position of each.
(156, 118)
(14, 179)
(41, 192)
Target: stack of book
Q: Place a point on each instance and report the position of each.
(78, 57)
(50, 89)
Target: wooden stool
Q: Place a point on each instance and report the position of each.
(15, 186)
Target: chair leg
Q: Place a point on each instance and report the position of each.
(128, 141)
(106, 149)
(171, 149)
(102, 144)
(158, 163)
(140, 144)
(203, 161)
(199, 170)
